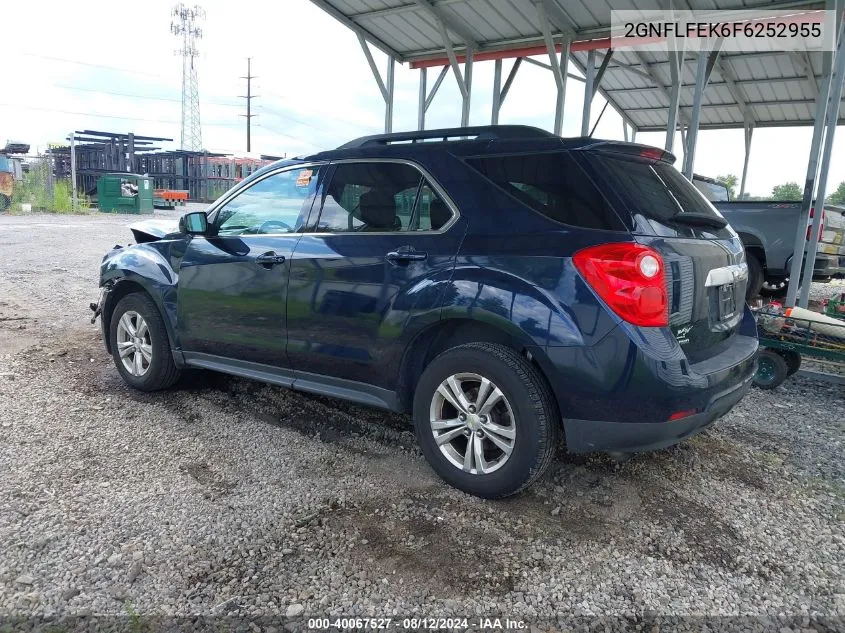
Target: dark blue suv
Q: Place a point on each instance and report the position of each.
(506, 286)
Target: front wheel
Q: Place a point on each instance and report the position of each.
(485, 419)
(139, 344)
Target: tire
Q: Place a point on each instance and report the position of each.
(755, 277)
(157, 372)
(793, 360)
(771, 370)
(5, 202)
(527, 413)
(775, 289)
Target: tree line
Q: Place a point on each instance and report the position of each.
(785, 191)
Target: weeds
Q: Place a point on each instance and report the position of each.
(38, 190)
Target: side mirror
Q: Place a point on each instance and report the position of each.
(195, 223)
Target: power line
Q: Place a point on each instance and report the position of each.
(137, 96)
(92, 65)
(103, 116)
(249, 97)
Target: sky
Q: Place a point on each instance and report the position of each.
(112, 65)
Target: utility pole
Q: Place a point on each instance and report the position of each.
(249, 97)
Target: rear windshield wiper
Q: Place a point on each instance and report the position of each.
(699, 219)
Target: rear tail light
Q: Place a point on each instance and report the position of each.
(810, 225)
(629, 278)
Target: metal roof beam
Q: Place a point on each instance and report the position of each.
(358, 29)
(657, 81)
(458, 28)
(736, 91)
(535, 62)
(602, 69)
(719, 67)
(802, 60)
(750, 104)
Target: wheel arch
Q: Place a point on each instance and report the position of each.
(120, 288)
(754, 246)
(449, 333)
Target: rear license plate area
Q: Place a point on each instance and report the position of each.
(722, 303)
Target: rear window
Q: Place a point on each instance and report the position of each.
(656, 191)
(713, 191)
(553, 185)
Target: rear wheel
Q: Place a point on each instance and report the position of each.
(5, 202)
(771, 371)
(755, 277)
(485, 419)
(139, 344)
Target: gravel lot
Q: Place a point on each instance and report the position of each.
(227, 496)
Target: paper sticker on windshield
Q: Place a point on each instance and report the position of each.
(304, 178)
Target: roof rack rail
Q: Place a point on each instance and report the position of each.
(481, 132)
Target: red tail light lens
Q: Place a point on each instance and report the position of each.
(629, 278)
(810, 225)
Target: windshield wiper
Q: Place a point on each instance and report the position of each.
(699, 219)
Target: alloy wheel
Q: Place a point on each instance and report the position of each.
(134, 343)
(473, 423)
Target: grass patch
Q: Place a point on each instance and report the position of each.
(45, 194)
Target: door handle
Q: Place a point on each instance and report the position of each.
(269, 259)
(405, 256)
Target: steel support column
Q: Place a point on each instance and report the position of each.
(675, 61)
(388, 109)
(692, 132)
(833, 99)
(421, 102)
(464, 79)
(589, 82)
(825, 92)
(497, 92)
(749, 130)
(468, 92)
(559, 68)
(386, 90)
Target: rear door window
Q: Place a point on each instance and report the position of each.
(552, 184)
(380, 197)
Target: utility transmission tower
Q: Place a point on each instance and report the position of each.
(249, 97)
(185, 26)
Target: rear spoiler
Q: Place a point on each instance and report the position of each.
(632, 149)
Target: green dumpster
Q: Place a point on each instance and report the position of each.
(125, 193)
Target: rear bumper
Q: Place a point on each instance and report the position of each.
(826, 266)
(630, 437)
(623, 393)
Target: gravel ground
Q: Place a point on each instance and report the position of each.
(225, 496)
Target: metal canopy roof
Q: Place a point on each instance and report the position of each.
(773, 89)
